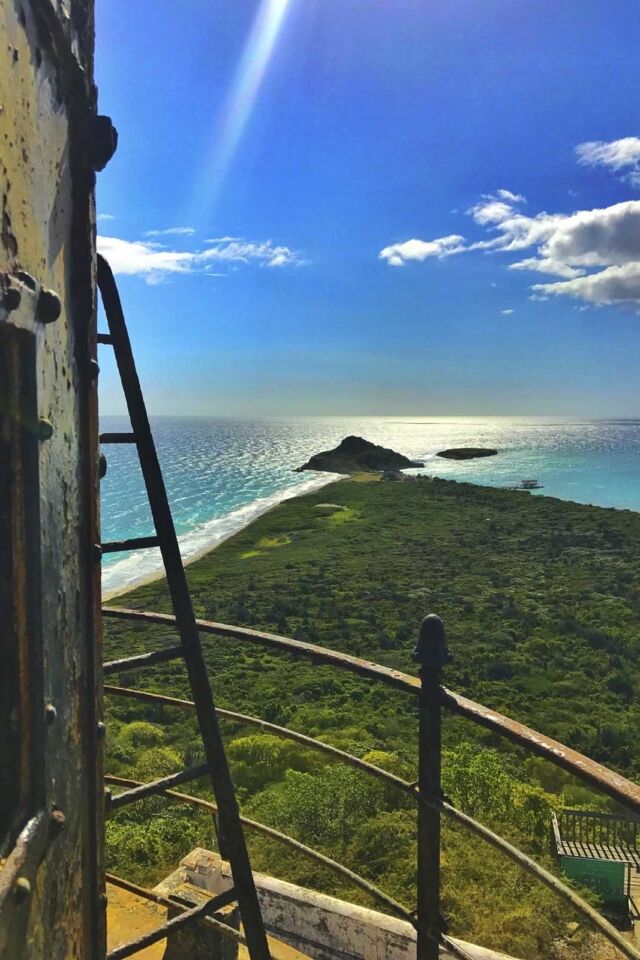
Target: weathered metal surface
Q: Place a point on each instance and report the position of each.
(608, 781)
(158, 786)
(135, 543)
(143, 660)
(176, 923)
(431, 654)
(117, 438)
(230, 832)
(47, 312)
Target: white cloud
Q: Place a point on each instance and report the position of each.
(616, 284)
(510, 197)
(155, 263)
(546, 265)
(507, 313)
(575, 247)
(171, 231)
(104, 216)
(621, 156)
(596, 253)
(495, 207)
(221, 239)
(398, 254)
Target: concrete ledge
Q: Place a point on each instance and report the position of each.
(320, 926)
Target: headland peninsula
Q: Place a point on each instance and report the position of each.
(541, 600)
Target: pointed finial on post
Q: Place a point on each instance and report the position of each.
(431, 650)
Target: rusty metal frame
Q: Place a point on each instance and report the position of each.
(142, 791)
(411, 789)
(143, 660)
(621, 789)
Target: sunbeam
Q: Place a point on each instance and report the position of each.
(240, 100)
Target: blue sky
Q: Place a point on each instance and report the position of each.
(296, 148)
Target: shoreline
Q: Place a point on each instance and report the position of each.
(261, 506)
(257, 508)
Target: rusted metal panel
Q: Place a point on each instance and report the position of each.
(51, 909)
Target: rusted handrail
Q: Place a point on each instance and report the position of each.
(302, 848)
(499, 843)
(621, 789)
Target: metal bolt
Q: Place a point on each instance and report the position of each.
(12, 299)
(431, 650)
(97, 552)
(103, 142)
(103, 900)
(102, 468)
(94, 369)
(57, 821)
(45, 429)
(49, 306)
(101, 731)
(50, 713)
(26, 278)
(22, 888)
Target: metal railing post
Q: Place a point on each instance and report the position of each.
(431, 652)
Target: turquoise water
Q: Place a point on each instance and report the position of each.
(222, 473)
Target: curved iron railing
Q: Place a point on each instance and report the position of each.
(432, 653)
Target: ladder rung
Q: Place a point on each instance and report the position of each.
(158, 786)
(117, 438)
(136, 543)
(105, 338)
(142, 660)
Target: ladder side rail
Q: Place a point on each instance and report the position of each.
(221, 782)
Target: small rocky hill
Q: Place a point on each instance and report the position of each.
(356, 455)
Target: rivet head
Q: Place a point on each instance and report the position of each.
(22, 888)
(94, 369)
(97, 552)
(26, 278)
(57, 821)
(12, 299)
(45, 429)
(102, 466)
(101, 731)
(103, 142)
(49, 306)
(51, 714)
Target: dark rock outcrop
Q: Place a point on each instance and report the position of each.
(355, 455)
(467, 453)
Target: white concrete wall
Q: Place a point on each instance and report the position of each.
(322, 927)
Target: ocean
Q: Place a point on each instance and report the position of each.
(221, 473)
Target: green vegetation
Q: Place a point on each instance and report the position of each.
(541, 601)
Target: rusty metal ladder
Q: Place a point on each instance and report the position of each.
(229, 825)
